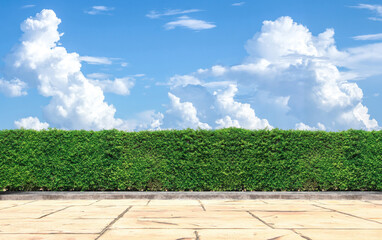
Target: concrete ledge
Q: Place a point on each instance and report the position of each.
(190, 195)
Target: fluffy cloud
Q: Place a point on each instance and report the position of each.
(187, 113)
(119, 86)
(76, 102)
(302, 126)
(31, 123)
(292, 79)
(238, 114)
(187, 22)
(13, 88)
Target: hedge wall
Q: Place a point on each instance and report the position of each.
(190, 160)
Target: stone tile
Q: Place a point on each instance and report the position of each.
(341, 202)
(232, 202)
(11, 203)
(48, 236)
(28, 211)
(192, 223)
(264, 207)
(166, 208)
(247, 234)
(313, 220)
(121, 202)
(61, 202)
(57, 226)
(187, 214)
(376, 201)
(89, 212)
(287, 201)
(149, 234)
(330, 234)
(370, 211)
(174, 202)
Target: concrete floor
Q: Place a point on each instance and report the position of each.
(190, 219)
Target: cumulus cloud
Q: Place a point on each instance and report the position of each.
(302, 126)
(187, 22)
(170, 12)
(13, 88)
(293, 80)
(377, 36)
(31, 123)
(240, 114)
(187, 113)
(99, 10)
(119, 86)
(76, 101)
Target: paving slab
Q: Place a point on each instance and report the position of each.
(122, 202)
(188, 214)
(313, 220)
(265, 207)
(189, 223)
(349, 234)
(191, 219)
(248, 234)
(150, 234)
(56, 226)
(173, 202)
(369, 211)
(88, 212)
(67, 236)
(28, 211)
(166, 208)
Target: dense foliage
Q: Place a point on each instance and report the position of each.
(190, 160)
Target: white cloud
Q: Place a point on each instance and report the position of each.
(190, 23)
(98, 75)
(238, 4)
(377, 36)
(227, 122)
(95, 60)
(375, 8)
(183, 80)
(375, 19)
(170, 12)
(187, 113)
(76, 102)
(31, 123)
(290, 76)
(241, 114)
(302, 126)
(119, 86)
(28, 6)
(13, 88)
(99, 10)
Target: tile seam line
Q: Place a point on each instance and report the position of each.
(112, 222)
(59, 210)
(254, 216)
(348, 214)
(301, 235)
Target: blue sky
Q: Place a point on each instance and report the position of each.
(138, 65)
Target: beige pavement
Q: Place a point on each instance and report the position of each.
(190, 219)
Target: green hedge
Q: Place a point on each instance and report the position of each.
(190, 160)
